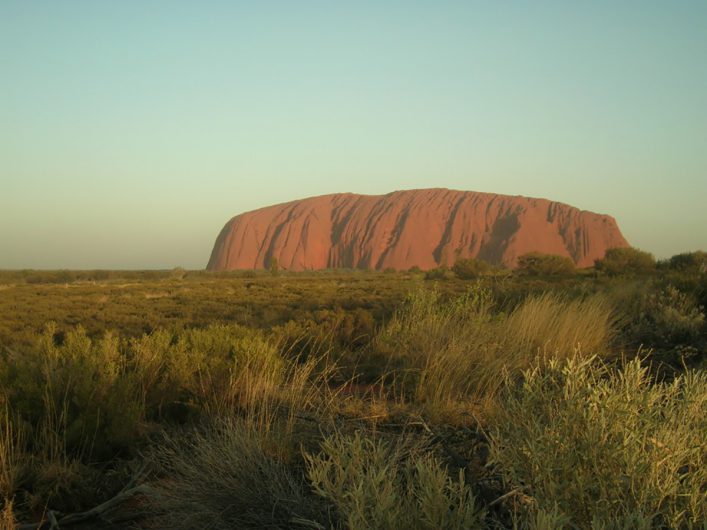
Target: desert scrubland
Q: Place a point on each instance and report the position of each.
(469, 397)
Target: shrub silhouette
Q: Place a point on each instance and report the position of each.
(694, 262)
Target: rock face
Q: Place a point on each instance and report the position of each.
(423, 228)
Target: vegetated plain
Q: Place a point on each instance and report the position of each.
(462, 398)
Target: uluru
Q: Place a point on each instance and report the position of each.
(424, 228)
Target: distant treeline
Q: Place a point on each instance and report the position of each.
(618, 261)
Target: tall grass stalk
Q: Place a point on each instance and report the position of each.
(270, 393)
(7, 516)
(11, 454)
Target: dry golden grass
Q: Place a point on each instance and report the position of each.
(552, 324)
(7, 517)
(11, 465)
(445, 354)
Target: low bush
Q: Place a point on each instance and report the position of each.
(590, 447)
(439, 273)
(74, 400)
(537, 264)
(376, 485)
(659, 317)
(74, 396)
(622, 261)
(670, 317)
(469, 269)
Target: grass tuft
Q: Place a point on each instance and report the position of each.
(225, 477)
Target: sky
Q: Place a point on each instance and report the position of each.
(131, 131)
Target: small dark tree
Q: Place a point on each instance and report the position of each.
(695, 262)
(537, 264)
(468, 269)
(618, 261)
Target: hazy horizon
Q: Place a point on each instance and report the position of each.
(131, 133)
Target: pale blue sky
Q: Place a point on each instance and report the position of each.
(130, 132)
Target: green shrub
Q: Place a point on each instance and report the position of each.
(671, 317)
(537, 264)
(469, 269)
(605, 448)
(629, 260)
(659, 317)
(380, 486)
(76, 396)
